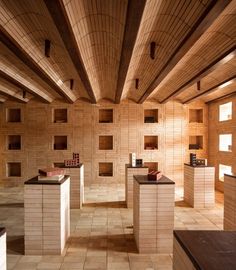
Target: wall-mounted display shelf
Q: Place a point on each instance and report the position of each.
(14, 142)
(196, 142)
(151, 116)
(105, 169)
(60, 143)
(196, 116)
(13, 115)
(105, 142)
(152, 166)
(150, 142)
(14, 169)
(105, 115)
(60, 116)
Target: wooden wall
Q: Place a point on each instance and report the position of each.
(217, 157)
(83, 129)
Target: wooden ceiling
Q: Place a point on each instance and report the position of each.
(101, 50)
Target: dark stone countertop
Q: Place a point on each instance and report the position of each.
(199, 166)
(231, 175)
(2, 231)
(35, 181)
(209, 250)
(135, 167)
(71, 167)
(143, 180)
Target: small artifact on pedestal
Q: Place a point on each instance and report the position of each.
(154, 175)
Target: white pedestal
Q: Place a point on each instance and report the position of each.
(3, 249)
(47, 216)
(230, 202)
(153, 214)
(199, 186)
(76, 185)
(129, 182)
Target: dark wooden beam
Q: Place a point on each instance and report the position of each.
(203, 23)
(133, 19)
(13, 95)
(222, 97)
(221, 60)
(212, 89)
(29, 62)
(58, 13)
(45, 98)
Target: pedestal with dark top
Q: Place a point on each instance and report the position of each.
(229, 202)
(3, 249)
(47, 216)
(204, 250)
(76, 174)
(199, 186)
(153, 214)
(129, 181)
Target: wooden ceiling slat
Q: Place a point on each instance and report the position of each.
(155, 27)
(98, 27)
(223, 72)
(204, 21)
(222, 97)
(133, 19)
(42, 96)
(30, 24)
(25, 58)
(227, 56)
(210, 90)
(58, 13)
(5, 91)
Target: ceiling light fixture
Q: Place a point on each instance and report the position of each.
(71, 84)
(199, 85)
(136, 83)
(47, 47)
(152, 49)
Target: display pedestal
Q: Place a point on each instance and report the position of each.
(153, 214)
(47, 216)
(229, 202)
(76, 185)
(201, 250)
(3, 249)
(129, 182)
(199, 186)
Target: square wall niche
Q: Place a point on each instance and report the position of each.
(196, 116)
(196, 142)
(14, 169)
(105, 115)
(150, 142)
(14, 115)
(151, 116)
(60, 143)
(152, 166)
(14, 142)
(105, 169)
(105, 142)
(60, 116)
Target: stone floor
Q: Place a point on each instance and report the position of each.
(101, 233)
